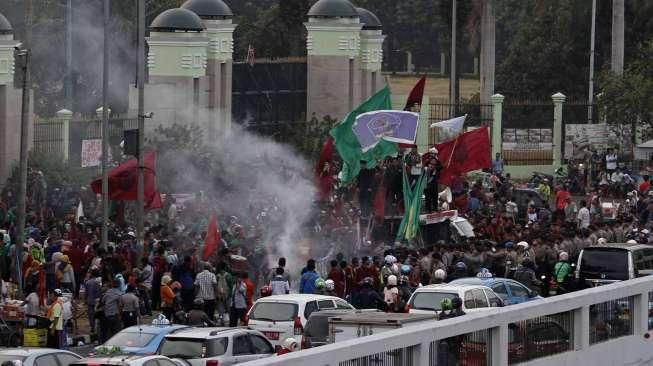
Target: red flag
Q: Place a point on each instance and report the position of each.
(416, 95)
(323, 176)
(379, 203)
(212, 239)
(123, 182)
(414, 98)
(469, 151)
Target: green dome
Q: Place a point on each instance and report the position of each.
(177, 19)
(333, 9)
(5, 26)
(368, 19)
(209, 9)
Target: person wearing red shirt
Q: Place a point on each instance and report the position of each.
(645, 185)
(337, 274)
(562, 198)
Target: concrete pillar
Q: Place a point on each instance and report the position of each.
(488, 39)
(443, 63)
(581, 329)
(65, 116)
(497, 131)
(333, 57)
(558, 100)
(371, 54)
(617, 57)
(499, 345)
(219, 72)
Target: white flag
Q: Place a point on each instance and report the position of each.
(454, 124)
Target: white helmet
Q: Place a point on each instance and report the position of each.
(631, 241)
(564, 256)
(390, 259)
(602, 241)
(392, 280)
(290, 344)
(523, 244)
(330, 285)
(440, 274)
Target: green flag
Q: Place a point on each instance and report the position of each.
(347, 144)
(413, 206)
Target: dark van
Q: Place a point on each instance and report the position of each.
(608, 263)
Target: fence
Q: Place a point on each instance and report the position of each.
(64, 138)
(588, 325)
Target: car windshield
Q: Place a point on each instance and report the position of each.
(187, 348)
(125, 339)
(4, 358)
(430, 300)
(274, 311)
(604, 263)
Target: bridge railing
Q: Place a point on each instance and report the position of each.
(584, 325)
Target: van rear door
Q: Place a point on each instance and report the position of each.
(602, 265)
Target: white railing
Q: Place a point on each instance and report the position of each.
(417, 345)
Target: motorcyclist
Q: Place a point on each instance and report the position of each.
(439, 276)
(561, 271)
(367, 297)
(460, 271)
(525, 274)
(445, 309)
(320, 287)
(197, 317)
(330, 289)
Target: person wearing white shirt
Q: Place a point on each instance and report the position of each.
(583, 216)
(610, 161)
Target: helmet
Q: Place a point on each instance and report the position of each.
(440, 274)
(564, 256)
(57, 293)
(523, 244)
(330, 285)
(266, 291)
(406, 269)
(200, 302)
(390, 259)
(320, 284)
(508, 244)
(290, 344)
(602, 241)
(445, 304)
(456, 302)
(461, 266)
(631, 241)
(368, 281)
(392, 280)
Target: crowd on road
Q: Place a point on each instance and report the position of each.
(126, 280)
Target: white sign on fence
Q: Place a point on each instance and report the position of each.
(92, 153)
(580, 138)
(527, 139)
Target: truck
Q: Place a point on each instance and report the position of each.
(356, 325)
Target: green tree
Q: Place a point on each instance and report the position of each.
(627, 100)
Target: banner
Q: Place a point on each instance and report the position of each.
(393, 126)
(580, 138)
(527, 139)
(91, 153)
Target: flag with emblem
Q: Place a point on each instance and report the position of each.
(469, 151)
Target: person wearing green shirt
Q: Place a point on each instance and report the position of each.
(545, 191)
(561, 271)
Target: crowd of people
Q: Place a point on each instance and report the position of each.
(126, 280)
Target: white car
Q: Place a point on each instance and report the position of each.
(126, 360)
(39, 356)
(284, 316)
(475, 298)
(215, 346)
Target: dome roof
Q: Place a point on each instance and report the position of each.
(5, 26)
(368, 19)
(209, 9)
(177, 20)
(333, 8)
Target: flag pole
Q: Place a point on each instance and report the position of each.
(105, 129)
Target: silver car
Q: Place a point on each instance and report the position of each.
(39, 356)
(215, 346)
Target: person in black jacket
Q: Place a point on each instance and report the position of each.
(367, 297)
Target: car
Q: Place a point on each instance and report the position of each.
(284, 316)
(607, 263)
(510, 291)
(215, 346)
(527, 340)
(427, 299)
(138, 340)
(39, 356)
(127, 360)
